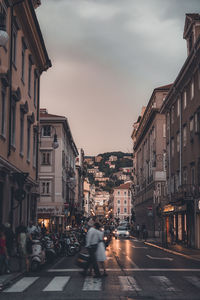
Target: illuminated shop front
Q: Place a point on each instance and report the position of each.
(52, 218)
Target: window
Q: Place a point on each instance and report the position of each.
(192, 89)
(3, 112)
(34, 148)
(28, 140)
(46, 130)
(14, 49)
(172, 115)
(45, 188)
(191, 124)
(124, 193)
(197, 122)
(178, 107)
(172, 146)
(23, 59)
(118, 210)
(35, 90)
(118, 201)
(29, 76)
(164, 130)
(178, 142)
(192, 174)
(168, 121)
(184, 136)
(118, 192)
(46, 158)
(21, 133)
(185, 176)
(184, 99)
(125, 209)
(13, 121)
(125, 202)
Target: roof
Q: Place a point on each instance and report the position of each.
(164, 87)
(124, 186)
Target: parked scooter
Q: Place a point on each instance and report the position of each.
(49, 249)
(38, 257)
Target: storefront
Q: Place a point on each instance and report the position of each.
(52, 218)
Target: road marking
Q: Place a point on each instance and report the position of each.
(160, 258)
(128, 283)
(193, 280)
(132, 262)
(164, 283)
(130, 270)
(21, 285)
(173, 252)
(139, 247)
(57, 284)
(92, 284)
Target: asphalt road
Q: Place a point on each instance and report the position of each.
(135, 271)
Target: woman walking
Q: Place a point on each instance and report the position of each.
(101, 251)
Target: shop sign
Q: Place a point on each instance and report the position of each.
(50, 210)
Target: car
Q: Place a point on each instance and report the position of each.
(122, 231)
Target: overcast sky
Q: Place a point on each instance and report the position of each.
(107, 57)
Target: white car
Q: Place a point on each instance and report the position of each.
(122, 231)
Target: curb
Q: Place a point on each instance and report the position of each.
(172, 251)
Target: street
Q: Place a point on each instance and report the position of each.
(135, 270)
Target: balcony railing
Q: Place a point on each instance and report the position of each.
(186, 192)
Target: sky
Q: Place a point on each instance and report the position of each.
(107, 58)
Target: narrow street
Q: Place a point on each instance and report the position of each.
(135, 270)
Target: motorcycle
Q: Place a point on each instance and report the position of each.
(38, 257)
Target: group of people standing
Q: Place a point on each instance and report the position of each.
(96, 249)
(18, 243)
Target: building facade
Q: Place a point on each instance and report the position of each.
(23, 60)
(79, 191)
(56, 206)
(182, 109)
(149, 164)
(122, 201)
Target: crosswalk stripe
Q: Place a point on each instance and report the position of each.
(57, 284)
(128, 283)
(21, 285)
(164, 283)
(194, 280)
(92, 284)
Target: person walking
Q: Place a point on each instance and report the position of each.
(101, 251)
(22, 236)
(92, 240)
(9, 238)
(3, 253)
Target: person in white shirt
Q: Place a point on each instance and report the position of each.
(92, 240)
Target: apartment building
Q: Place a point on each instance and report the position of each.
(23, 60)
(79, 191)
(57, 156)
(122, 202)
(182, 110)
(149, 138)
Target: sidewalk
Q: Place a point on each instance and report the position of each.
(7, 279)
(177, 249)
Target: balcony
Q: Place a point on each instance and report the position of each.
(186, 192)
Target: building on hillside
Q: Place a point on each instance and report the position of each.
(113, 158)
(92, 171)
(99, 174)
(126, 170)
(89, 160)
(150, 172)
(79, 191)
(98, 158)
(56, 206)
(112, 166)
(23, 60)
(182, 110)
(122, 201)
(86, 191)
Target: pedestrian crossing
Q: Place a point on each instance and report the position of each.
(125, 283)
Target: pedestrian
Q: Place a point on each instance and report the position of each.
(92, 240)
(4, 258)
(22, 239)
(101, 251)
(31, 229)
(9, 238)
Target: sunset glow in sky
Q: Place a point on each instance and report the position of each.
(107, 57)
